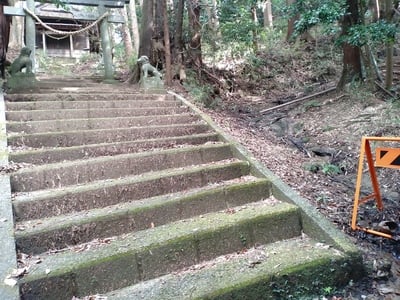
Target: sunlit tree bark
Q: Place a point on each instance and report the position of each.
(255, 31)
(126, 35)
(134, 28)
(267, 11)
(16, 30)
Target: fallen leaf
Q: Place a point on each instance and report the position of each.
(384, 289)
(10, 281)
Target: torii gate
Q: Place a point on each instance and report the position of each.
(102, 6)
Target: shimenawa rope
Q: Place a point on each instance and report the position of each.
(66, 33)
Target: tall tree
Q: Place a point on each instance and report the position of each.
(195, 54)
(146, 34)
(291, 21)
(267, 12)
(126, 35)
(351, 53)
(254, 18)
(17, 25)
(168, 73)
(134, 28)
(389, 47)
(178, 45)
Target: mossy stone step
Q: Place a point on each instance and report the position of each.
(29, 127)
(40, 115)
(158, 251)
(79, 104)
(78, 172)
(298, 268)
(82, 96)
(52, 155)
(85, 137)
(36, 236)
(53, 202)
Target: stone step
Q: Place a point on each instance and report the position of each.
(107, 265)
(50, 234)
(76, 96)
(86, 137)
(80, 104)
(295, 268)
(30, 127)
(52, 155)
(41, 115)
(79, 172)
(102, 193)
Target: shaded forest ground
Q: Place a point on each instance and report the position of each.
(313, 145)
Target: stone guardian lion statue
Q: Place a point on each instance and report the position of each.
(23, 61)
(147, 69)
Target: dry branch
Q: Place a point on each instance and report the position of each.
(385, 90)
(298, 100)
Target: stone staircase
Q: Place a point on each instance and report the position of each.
(141, 196)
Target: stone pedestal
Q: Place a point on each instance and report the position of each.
(21, 82)
(151, 85)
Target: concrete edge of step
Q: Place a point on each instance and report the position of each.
(262, 272)
(8, 262)
(37, 237)
(314, 223)
(174, 246)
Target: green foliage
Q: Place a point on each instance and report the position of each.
(200, 92)
(317, 12)
(235, 21)
(330, 169)
(312, 167)
(312, 12)
(371, 34)
(328, 291)
(325, 168)
(42, 60)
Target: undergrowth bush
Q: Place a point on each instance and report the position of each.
(202, 93)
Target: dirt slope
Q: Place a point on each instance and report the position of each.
(314, 145)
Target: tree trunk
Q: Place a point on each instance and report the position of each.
(351, 54)
(255, 31)
(178, 42)
(291, 22)
(134, 27)
(195, 41)
(267, 11)
(16, 31)
(168, 73)
(146, 35)
(374, 7)
(389, 49)
(126, 36)
(158, 54)
(147, 29)
(213, 25)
